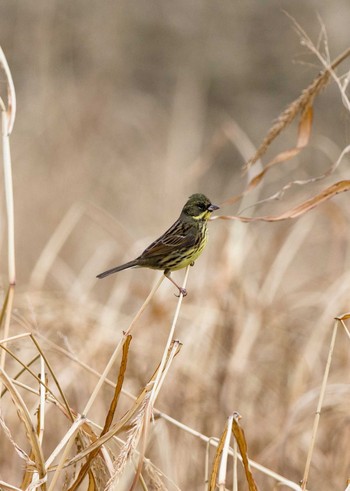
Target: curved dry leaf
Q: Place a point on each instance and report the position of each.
(297, 211)
(216, 463)
(238, 433)
(304, 133)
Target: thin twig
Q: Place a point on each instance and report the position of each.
(319, 407)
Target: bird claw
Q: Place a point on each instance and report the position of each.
(182, 291)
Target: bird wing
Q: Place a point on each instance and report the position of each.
(171, 240)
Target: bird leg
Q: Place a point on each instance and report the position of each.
(182, 291)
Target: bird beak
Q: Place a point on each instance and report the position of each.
(213, 207)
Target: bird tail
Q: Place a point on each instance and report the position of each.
(130, 264)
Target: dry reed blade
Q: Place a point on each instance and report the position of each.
(118, 388)
(216, 463)
(296, 211)
(301, 182)
(92, 482)
(113, 406)
(304, 132)
(238, 433)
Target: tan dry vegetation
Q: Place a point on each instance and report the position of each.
(123, 111)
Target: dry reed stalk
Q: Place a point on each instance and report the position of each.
(8, 487)
(221, 481)
(319, 407)
(8, 115)
(234, 466)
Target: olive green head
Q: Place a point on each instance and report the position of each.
(198, 207)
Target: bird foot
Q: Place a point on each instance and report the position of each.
(182, 291)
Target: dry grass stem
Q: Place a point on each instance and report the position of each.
(221, 481)
(234, 466)
(319, 407)
(7, 121)
(5, 486)
(156, 386)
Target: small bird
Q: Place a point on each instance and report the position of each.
(180, 245)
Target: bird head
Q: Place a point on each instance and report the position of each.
(198, 207)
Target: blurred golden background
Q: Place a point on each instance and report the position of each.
(124, 110)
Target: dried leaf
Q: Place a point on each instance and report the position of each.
(87, 465)
(119, 385)
(92, 483)
(303, 139)
(242, 445)
(216, 463)
(343, 317)
(305, 126)
(326, 194)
